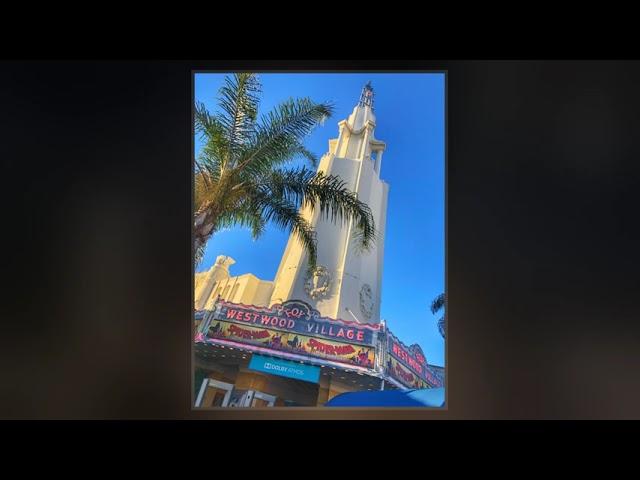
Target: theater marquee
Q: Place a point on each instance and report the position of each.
(408, 365)
(295, 328)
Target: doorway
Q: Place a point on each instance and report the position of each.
(251, 398)
(214, 393)
(262, 399)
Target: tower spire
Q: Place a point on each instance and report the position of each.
(366, 97)
(347, 282)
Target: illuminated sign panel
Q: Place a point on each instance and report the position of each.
(405, 376)
(408, 365)
(298, 317)
(285, 368)
(293, 327)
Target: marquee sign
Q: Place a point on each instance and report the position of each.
(436, 375)
(295, 328)
(298, 317)
(408, 365)
(292, 342)
(405, 376)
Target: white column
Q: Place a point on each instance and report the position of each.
(378, 164)
(364, 143)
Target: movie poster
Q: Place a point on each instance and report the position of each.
(293, 342)
(404, 375)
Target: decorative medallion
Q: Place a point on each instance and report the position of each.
(318, 283)
(366, 301)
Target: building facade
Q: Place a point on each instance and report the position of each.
(306, 336)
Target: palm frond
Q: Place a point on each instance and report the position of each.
(301, 151)
(206, 187)
(206, 124)
(438, 303)
(199, 187)
(239, 98)
(234, 180)
(329, 193)
(199, 254)
(216, 144)
(286, 216)
(441, 326)
(244, 215)
(279, 134)
(210, 163)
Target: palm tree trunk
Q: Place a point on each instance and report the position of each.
(204, 224)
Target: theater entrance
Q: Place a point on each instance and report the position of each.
(214, 393)
(251, 398)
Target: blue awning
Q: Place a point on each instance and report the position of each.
(428, 397)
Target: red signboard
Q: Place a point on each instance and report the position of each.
(294, 327)
(296, 316)
(409, 365)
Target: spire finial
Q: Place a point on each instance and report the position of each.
(366, 97)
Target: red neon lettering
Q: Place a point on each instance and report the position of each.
(247, 334)
(330, 349)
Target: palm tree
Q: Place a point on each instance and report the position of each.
(241, 179)
(437, 305)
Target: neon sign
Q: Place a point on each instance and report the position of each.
(296, 316)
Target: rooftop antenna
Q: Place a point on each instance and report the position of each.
(366, 97)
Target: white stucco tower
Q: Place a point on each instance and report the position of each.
(348, 282)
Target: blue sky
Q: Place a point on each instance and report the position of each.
(410, 119)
